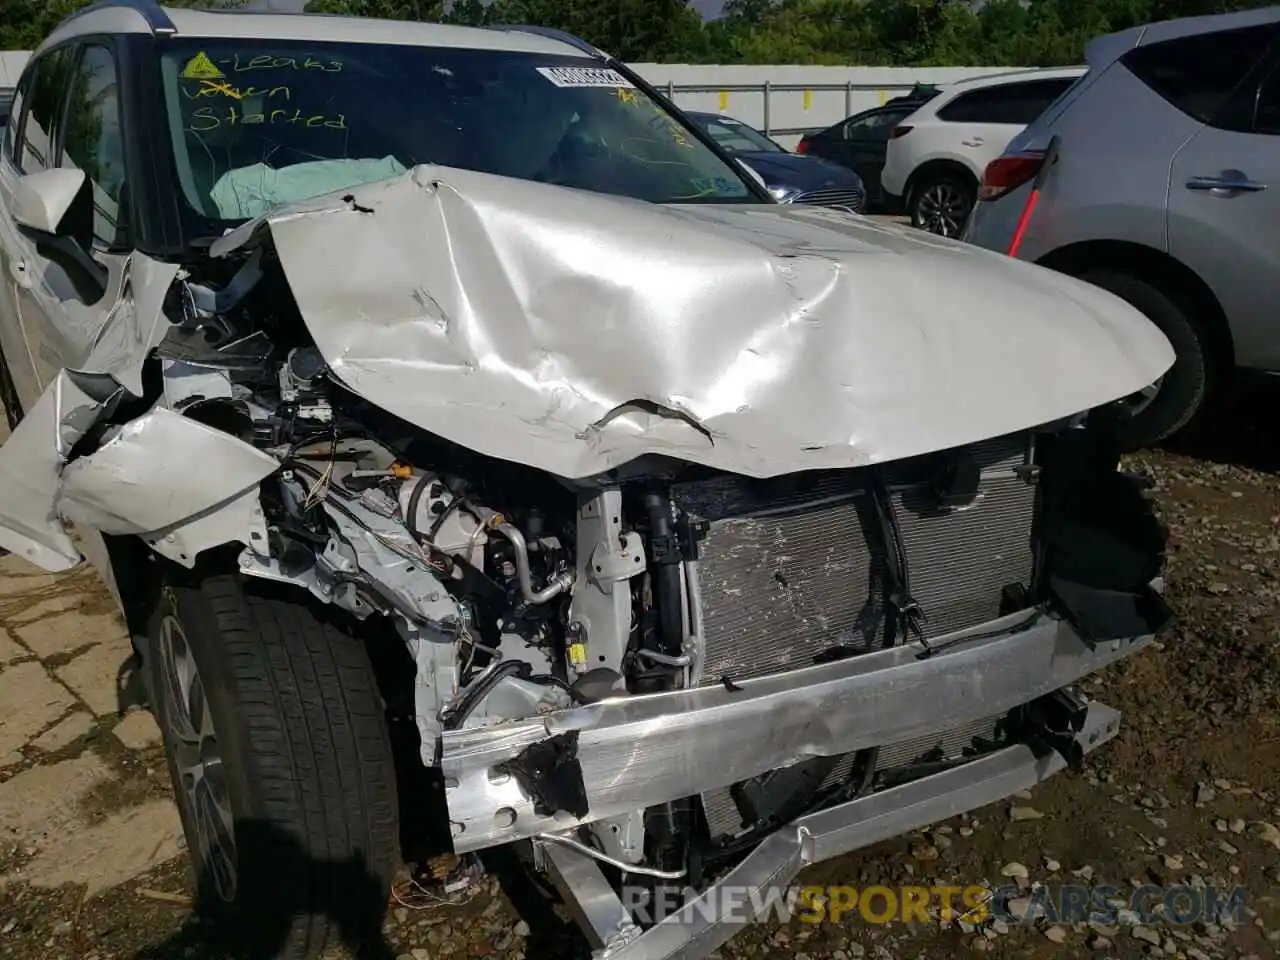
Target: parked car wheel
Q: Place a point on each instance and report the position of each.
(941, 202)
(278, 750)
(9, 395)
(1169, 404)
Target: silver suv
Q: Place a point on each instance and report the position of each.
(481, 459)
(1166, 191)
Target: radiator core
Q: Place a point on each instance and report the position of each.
(793, 567)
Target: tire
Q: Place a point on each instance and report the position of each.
(1182, 391)
(940, 203)
(294, 753)
(9, 395)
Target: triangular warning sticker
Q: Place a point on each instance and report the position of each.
(200, 67)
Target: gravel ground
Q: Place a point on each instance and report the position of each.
(1188, 793)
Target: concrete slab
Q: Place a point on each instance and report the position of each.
(10, 651)
(138, 730)
(73, 631)
(93, 675)
(111, 851)
(42, 814)
(32, 701)
(65, 732)
(40, 804)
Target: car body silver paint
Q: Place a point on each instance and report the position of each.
(575, 332)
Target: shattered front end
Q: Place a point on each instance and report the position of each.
(853, 655)
(700, 546)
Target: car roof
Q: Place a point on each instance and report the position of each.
(956, 87)
(950, 91)
(1103, 50)
(141, 16)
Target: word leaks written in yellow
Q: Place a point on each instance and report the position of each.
(204, 67)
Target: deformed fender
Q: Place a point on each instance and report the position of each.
(170, 480)
(31, 462)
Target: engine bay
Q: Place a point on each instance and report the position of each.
(518, 595)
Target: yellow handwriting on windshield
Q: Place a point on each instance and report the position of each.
(238, 64)
(224, 88)
(627, 95)
(204, 119)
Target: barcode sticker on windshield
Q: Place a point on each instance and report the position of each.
(584, 76)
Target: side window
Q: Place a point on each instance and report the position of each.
(92, 139)
(44, 110)
(12, 129)
(875, 127)
(1015, 103)
(1266, 106)
(1198, 74)
(730, 139)
(1254, 107)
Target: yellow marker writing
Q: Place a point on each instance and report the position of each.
(200, 67)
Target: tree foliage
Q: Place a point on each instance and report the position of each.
(871, 32)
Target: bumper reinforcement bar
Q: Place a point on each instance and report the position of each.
(629, 753)
(703, 924)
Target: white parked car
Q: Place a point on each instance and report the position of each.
(936, 156)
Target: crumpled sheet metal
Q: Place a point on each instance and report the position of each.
(31, 462)
(137, 324)
(575, 332)
(158, 471)
(128, 485)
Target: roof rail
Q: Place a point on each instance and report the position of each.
(151, 11)
(552, 33)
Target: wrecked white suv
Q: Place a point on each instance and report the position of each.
(474, 448)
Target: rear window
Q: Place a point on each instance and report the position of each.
(1016, 103)
(1198, 74)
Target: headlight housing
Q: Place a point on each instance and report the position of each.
(784, 194)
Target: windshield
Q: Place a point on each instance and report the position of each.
(254, 124)
(735, 136)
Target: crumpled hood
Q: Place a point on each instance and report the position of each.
(575, 332)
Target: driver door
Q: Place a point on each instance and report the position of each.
(52, 309)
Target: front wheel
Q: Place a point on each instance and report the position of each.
(1164, 407)
(278, 750)
(941, 202)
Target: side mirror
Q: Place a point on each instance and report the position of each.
(41, 200)
(42, 203)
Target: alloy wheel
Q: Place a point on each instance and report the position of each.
(942, 208)
(202, 780)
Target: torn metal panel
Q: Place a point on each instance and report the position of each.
(575, 332)
(128, 485)
(31, 462)
(240, 521)
(136, 324)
